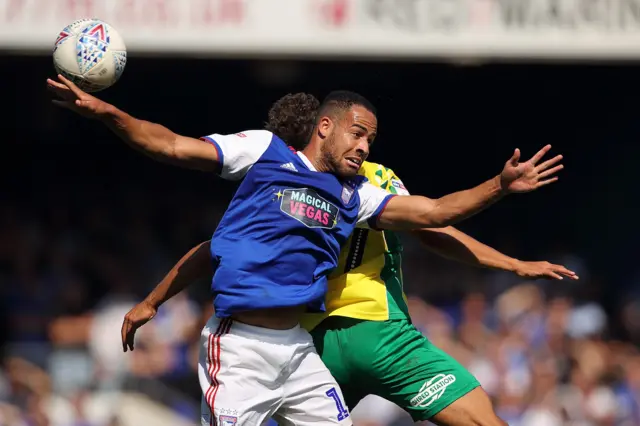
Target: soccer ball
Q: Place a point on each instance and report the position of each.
(90, 53)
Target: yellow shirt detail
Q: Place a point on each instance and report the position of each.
(356, 288)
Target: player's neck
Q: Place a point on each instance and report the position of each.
(312, 153)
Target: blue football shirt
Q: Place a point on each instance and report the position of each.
(282, 232)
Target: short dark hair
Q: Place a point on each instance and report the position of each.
(339, 101)
(292, 118)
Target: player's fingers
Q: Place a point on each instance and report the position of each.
(71, 85)
(549, 172)
(123, 333)
(562, 270)
(549, 163)
(52, 84)
(567, 273)
(546, 182)
(85, 104)
(559, 269)
(551, 274)
(131, 332)
(540, 154)
(515, 157)
(92, 105)
(130, 338)
(61, 91)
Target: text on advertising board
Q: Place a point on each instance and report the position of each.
(452, 15)
(149, 13)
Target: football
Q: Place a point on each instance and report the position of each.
(90, 53)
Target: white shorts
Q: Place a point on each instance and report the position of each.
(249, 374)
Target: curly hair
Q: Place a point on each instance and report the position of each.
(292, 118)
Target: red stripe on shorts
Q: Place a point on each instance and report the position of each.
(214, 364)
(214, 378)
(213, 340)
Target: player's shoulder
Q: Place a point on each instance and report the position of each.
(376, 171)
(255, 140)
(258, 134)
(381, 176)
(262, 137)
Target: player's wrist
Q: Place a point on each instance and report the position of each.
(153, 302)
(499, 186)
(513, 265)
(109, 113)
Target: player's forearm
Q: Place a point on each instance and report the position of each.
(152, 139)
(416, 212)
(192, 266)
(458, 206)
(456, 245)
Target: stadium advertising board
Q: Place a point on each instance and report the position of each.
(589, 29)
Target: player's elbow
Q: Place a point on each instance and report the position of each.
(156, 140)
(178, 150)
(175, 148)
(191, 153)
(168, 150)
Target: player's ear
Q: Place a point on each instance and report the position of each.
(325, 126)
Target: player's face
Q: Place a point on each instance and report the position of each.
(348, 141)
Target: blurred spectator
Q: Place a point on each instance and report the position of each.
(542, 351)
(75, 258)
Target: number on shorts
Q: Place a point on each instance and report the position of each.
(343, 413)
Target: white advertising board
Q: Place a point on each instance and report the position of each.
(585, 29)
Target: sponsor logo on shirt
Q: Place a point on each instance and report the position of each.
(432, 390)
(398, 187)
(306, 206)
(398, 184)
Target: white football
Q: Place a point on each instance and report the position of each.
(90, 53)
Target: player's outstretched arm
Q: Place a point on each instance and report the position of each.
(150, 138)
(195, 264)
(456, 245)
(412, 212)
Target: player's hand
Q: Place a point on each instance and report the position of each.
(138, 316)
(529, 176)
(545, 270)
(73, 98)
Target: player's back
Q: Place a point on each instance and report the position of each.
(367, 283)
(282, 232)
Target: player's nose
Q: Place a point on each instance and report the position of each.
(363, 147)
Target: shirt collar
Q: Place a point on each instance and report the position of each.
(306, 161)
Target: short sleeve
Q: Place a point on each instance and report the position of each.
(373, 200)
(238, 152)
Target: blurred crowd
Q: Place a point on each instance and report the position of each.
(88, 227)
(544, 351)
